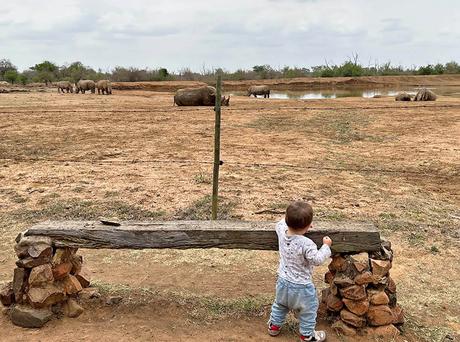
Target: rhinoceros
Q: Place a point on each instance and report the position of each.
(202, 96)
(403, 97)
(84, 85)
(64, 85)
(425, 95)
(104, 86)
(259, 90)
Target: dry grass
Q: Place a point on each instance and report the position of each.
(417, 210)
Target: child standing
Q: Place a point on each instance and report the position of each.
(295, 289)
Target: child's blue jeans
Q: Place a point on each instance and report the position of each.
(301, 298)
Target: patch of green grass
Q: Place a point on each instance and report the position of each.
(109, 194)
(204, 308)
(202, 178)
(329, 215)
(201, 210)
(427, 333)
(17, 198)
(340, 127)
(86, 210)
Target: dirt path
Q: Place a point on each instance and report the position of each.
(135, 156)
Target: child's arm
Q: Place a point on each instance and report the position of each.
(317, 256)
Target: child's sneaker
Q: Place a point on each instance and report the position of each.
(318, 336)
(273, 330)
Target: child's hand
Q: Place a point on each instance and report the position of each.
(327, 241)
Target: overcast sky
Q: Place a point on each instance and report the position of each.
(231, 34)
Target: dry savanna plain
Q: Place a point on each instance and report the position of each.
(135, 156)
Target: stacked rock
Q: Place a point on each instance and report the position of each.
(361, 297)
(46, 282)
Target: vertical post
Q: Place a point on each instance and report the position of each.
(215, 174)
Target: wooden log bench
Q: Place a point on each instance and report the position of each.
(350, 237)
(50, 272)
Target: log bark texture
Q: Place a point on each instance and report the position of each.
(347, 237)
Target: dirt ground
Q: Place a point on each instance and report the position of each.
(135, 156)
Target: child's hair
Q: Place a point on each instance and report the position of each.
(299, 215)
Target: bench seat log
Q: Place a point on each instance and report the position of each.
(347, 237)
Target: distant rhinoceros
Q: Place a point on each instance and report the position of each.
(202, 96)
(104, 86)
(64, 85)
(259, 90)
(403, 96)
(425, 95)
(84, 85)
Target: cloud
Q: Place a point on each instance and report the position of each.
(236, 34)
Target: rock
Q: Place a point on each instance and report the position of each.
(60, 271)
(387, 332)
(72, 309)
(89, 293)
(19, 283)
(77, 263)
(391, 285)
(379, 315)
(342, 280)
(398, 314)
(352, 319)
(357, 307)
(364, 278)
(360, 261)
(7, 294)
(30, 262)
(354, 292)
(378, 297)
(71, 285)
(324, 294)
(380, 268)
(378, 280)
(84, 277)
(392, 297)
(62, 255)
(338, 264)
(40, 297)
(41, 275)
(32, 240)
(110, 221)
(113, 300)
(328, 277)
(19, 237)
(334, 303)
(343, 329)
(334, 289)
(27, 317)
(34, 251)
(386, 244)
(40, 251)
(6, 311)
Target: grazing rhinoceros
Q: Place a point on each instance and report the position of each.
(403, 97)
(202, 96)
(64, 85)
(425, 95)
(104, 86)
(259, 90)
(84, 85)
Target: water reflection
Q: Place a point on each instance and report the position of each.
(352, 92)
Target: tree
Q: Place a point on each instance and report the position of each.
(46, 71)
(11, 76)
(6, 65)
(163, 73)
(262, 70)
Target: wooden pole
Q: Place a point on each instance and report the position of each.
(215, 174)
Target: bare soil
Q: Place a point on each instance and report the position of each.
(135, 156)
